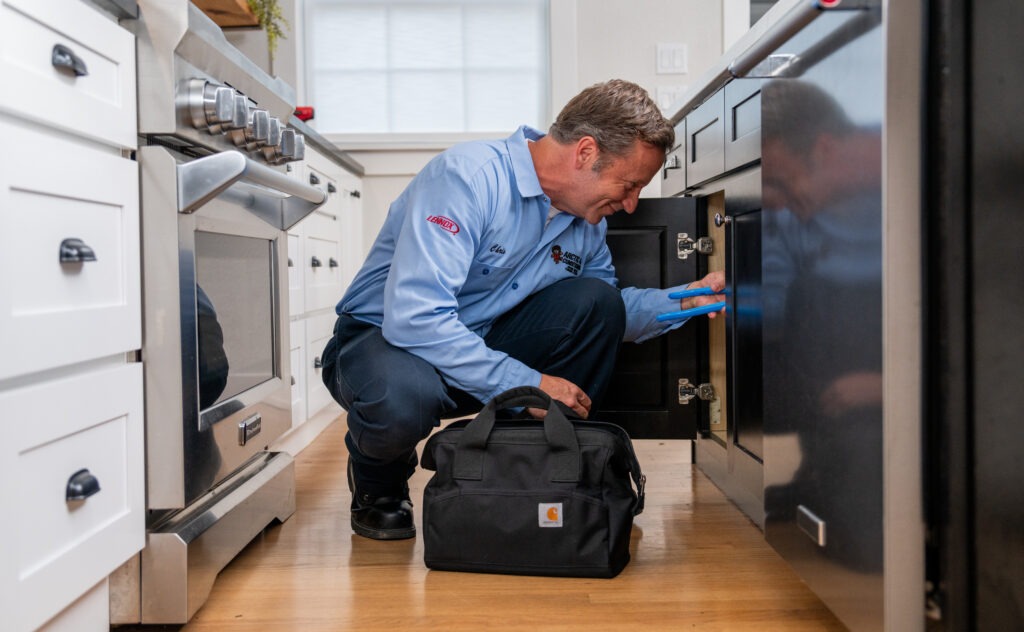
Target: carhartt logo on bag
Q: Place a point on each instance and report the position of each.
(549, 514)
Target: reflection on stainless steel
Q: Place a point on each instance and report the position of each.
(822, 289)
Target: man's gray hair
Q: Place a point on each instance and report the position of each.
(615, 113)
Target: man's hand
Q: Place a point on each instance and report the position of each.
(564, 391)
(716, 281)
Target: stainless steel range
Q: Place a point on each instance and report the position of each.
(215, 208)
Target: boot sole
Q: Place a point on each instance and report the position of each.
(383, 534)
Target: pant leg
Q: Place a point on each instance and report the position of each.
(393, 398)
(571, 329)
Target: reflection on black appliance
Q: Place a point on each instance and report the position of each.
(822, 284)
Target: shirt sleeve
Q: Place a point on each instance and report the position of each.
(643, 305)
(447, 213)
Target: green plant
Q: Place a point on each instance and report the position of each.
(271, 19)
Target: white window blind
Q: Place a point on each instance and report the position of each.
(426, 66)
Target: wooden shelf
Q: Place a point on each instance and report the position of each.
(228, 13)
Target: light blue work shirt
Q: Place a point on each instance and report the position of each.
(466, 242)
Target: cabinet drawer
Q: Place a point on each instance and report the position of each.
(319, 330)
(705, 141)
(54, 313)
(674, 172)
(100, 104)
(322, 258)
(60, 548)
(742, 122)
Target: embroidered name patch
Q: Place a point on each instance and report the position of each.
(444, 223)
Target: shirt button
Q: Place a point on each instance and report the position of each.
(515, 286)
(486, 271)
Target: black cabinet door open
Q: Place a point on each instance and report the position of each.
(643, 396)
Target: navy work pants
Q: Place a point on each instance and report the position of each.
(571, 329)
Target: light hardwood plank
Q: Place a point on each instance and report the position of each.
(698, 563)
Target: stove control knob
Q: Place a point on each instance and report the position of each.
(284, 150)
(209, 104)
(300, 148)
(273, 134)
(300, 152)
(255, 132)
(239, 116)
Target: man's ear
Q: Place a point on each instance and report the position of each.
(586, 152)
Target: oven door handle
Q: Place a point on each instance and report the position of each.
(203, 179)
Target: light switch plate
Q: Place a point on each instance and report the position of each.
(671, 59)
(667, 96)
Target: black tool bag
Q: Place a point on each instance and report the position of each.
(527, 497)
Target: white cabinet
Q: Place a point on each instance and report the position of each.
(325, 253)
(61, 201)
(79, 434)
(66, 66)
(70, 314)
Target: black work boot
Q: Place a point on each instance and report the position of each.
(380, 517)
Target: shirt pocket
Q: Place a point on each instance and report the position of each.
(484, 277)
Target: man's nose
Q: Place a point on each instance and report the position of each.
(629, 204)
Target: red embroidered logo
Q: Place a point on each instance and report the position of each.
(556, 253)
(444, 223)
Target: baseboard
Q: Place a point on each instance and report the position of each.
(296, 439)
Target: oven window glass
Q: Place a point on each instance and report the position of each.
(235, 314)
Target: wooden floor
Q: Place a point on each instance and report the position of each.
(698, 563)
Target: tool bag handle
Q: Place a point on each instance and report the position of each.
(560, 435)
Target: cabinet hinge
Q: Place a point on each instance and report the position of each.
(688, 391)
(686, 246)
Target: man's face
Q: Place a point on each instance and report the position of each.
(596, 194)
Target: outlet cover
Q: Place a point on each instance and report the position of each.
(671, 59)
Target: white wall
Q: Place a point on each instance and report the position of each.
(591, 41)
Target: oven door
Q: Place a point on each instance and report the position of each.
(215, 330)
(236, 391)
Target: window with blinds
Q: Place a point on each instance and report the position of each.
(425, 66)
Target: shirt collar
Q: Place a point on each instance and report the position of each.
(522, 160)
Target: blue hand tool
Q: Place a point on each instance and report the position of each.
(697, 291)
(696, 311)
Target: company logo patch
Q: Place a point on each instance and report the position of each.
(444, 223)
(549, 514)
(572, 261)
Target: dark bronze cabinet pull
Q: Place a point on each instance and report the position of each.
(317, 363)
(74, 250)
(356, 194)
(331, 188)
(316, 263)
(81, 485)
(65, 60)
(332, 262)
(313, 179)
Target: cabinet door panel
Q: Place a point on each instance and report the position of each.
(643, 396)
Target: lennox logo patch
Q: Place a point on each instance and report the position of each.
(444, 223)
(549, 514)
